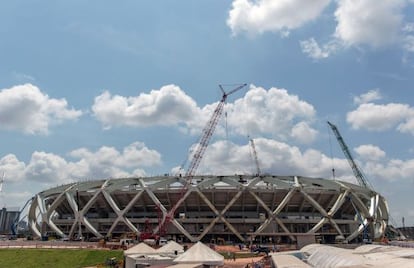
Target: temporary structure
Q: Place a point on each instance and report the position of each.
(171, 247)
(141, 248)
(324, 256)
(286, 261)
(200, 253)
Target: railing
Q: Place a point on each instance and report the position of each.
(54, 244)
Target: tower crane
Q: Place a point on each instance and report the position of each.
(199, 151)
(357, 172)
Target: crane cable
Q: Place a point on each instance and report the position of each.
(331, 152)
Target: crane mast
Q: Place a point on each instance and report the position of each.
(198, 154)
(256, 160)
(208, 132)
(357, 172)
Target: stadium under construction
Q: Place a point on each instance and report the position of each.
(237, 208)
(230, 208)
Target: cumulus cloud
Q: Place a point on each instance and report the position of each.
(267, 15)
(408, 125)
(274, 157)
(304, 133)
(47, 168)
(25, 108)
(280, 158)
(391, 170)
(164, 107)
(109, 162)
(314, 51)
(370, 152)
(272, 111)
(365, 23)
(51, 169)
(409, 43)
(378, 117)
(370, 96)
(269, 112)
(370, 22)
(12, 168)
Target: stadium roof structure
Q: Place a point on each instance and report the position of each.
(237, 207)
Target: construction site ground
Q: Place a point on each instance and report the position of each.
(242, 258)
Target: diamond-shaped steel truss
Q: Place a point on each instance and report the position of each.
(245, 206)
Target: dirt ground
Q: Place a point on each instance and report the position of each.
(242, 262)
(239, 262)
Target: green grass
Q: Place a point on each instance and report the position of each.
(65, 258)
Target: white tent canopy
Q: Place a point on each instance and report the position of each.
(141, 248)
(200, 253)
(322, 256)
(171, 247)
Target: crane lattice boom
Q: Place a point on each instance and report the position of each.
(208, 132)
(256, 160)
(357, 172)
(198, 154)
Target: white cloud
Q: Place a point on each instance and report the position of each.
(283, 159)
(409, 43)
(391, 170)
(272, 111)
(365, 23)
(380, 117)
(377, 117)
(109, 162)
(165, 107)
(25, 108)
(408, 28)
(274, 158)
(304, 133)
(12, 168)
(50, 169)
(370, 152)
(268, 15)
(260, 111)
(370, 96)
(47, 168)
(408, 125)
(314, 51)
(370, 22)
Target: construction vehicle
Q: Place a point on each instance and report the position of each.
(357, 171)
(198, 154)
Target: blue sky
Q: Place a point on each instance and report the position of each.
(99, 89)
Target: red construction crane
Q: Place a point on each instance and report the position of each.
(197, 156)
(256, 160)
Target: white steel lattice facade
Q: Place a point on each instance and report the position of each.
(236, 208)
